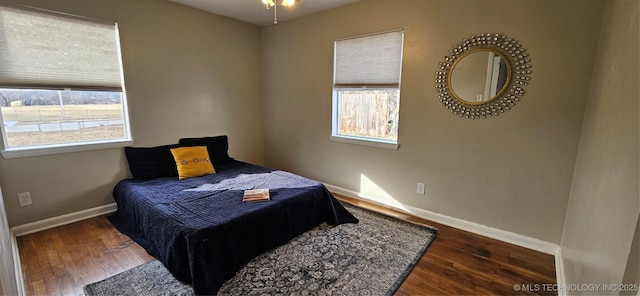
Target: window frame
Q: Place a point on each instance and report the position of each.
(59, 148)
(363, 141)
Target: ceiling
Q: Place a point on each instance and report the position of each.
(253, 11)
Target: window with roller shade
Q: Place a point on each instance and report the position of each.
(61, 83)
(366, 89)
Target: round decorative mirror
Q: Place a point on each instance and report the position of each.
(483, 76)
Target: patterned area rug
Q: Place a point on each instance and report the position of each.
(372, 257)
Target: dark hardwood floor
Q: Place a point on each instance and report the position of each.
(61, 261)
(463, 263)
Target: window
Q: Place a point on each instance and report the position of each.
(366, 89)
(61, 84)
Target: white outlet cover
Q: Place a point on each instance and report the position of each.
(24, 199)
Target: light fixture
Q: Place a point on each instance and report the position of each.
(286, 3)
(272, 3)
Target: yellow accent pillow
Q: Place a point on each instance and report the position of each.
(192, 161)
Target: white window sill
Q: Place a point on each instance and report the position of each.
(59, 149)
(366, 142)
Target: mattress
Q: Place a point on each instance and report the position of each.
(200, 229)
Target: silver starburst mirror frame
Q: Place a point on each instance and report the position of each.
(516, 76)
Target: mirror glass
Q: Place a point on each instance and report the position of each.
(484, 75)
(479, 76)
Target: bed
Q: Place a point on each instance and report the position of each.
(200, 229)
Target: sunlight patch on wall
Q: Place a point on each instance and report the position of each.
(370, 190)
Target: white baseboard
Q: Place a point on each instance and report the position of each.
(17, 266)
(499, 234)
(49, 223)
(560, 279)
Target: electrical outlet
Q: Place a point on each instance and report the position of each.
(420, 189)
(24, 199)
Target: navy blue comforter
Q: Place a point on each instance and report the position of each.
(203, 233)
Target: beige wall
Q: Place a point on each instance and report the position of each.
(604, 205)
(632, 270)
(190, 73)
(512, 172)
(187, 73)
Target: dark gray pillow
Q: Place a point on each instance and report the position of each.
(217, 147)
(151, 162)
